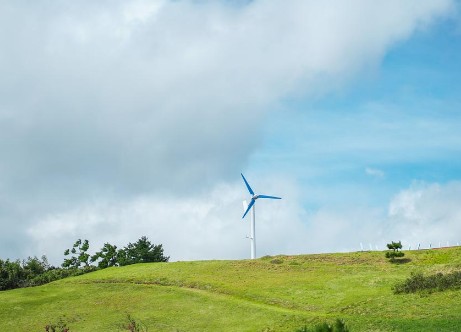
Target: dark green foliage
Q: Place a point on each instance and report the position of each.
(34, 266)
(54, 274)
(32, 272)
(107, 256)
(418, 282)
(16, 274)
(394, 245)
(142, 251)
(392, 255)
(394, 252)
(79, 255)
(338, 326)
(11, 274)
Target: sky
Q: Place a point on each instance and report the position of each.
(121, 119)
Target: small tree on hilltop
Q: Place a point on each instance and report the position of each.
(394, 252)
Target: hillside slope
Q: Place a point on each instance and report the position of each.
(269, 294)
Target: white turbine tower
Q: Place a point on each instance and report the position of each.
(251, 206)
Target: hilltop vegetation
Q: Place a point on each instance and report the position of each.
(282, 293)
(33, 271)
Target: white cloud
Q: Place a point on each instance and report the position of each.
(209, 226)
(206, 226)
(427, 213)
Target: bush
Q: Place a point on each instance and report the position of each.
(59, 326)
(392, 255)
(33, 272)
(54, 274)
(338, 326)
(418, 282)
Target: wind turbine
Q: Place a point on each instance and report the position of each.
(251, 206)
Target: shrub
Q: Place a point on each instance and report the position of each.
(338, 326)
(33, 272)
(54, 274)
(59, 326)
(436, 282)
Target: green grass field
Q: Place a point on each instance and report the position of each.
(279, 293)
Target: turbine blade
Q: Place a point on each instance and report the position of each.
(265, 196)
(248, 186)
(248, 208)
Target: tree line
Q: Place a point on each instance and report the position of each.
(34, 271)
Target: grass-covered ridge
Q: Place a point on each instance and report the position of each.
(279, 293)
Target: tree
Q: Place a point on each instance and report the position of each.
(107, 256)
(142, 251)
(34, 267)
(11, 274)
(80, 255)
(394, 252)
(14, 274)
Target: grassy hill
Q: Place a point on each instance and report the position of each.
(279, 293)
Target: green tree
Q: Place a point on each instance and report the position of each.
(11, 274)
(34, 267)
(79, 255)
(107, 256)
(394, 251)
(142, 251)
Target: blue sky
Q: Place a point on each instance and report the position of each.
(391, 126)
(124, 119)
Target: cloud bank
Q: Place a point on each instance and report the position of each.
(104, 104)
